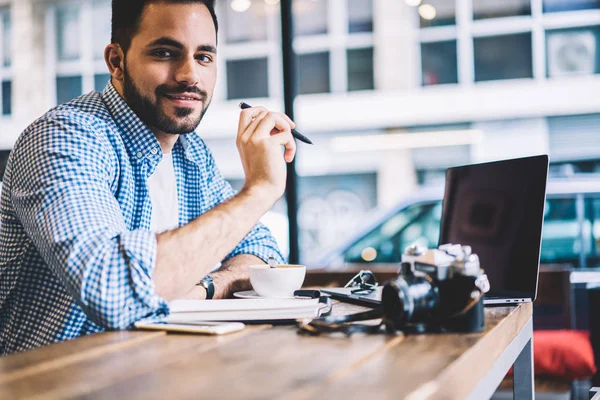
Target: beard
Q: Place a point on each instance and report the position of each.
(151, 113)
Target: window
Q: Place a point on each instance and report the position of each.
(592, 231)
(6, 98)
(495, 9)
(570, 5)
(249, 25)
(5, 37)
(492, 61)
(329, 37)
(310, 17)
(360, 69)
(439, 63)
(68, 33)
(247, 78)
(101, 27)
(360, 16)
(67, 88)
(82, 30)
(574, 51)
(437, 13)
(313, 73)
(5, 63)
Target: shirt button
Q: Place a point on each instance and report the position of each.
(140, 154)
(154, 151)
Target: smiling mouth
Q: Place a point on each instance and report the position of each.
(182, 97)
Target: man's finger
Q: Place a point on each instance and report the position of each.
(250, 129)
(286, 139)
(247, 116)
(272, 121)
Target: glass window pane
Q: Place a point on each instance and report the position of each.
(313, 73)
(100, 81)
(360, 16)
(101, 26)
(310, 17)
(246, 24)
(570, 5)
(67, 26)
(360, 69)
(573, 51)
(247, 78)
(6, 98)
(505, 8)
(560, 236)
(437, 13)
(592, 225)
(67, 88)
(439, 63)
(6, 38)
(503, 57)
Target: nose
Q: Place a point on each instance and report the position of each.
(187, 72)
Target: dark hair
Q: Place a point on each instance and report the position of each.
(126, 16)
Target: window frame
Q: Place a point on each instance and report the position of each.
(87, 67)
(337, 41)
(6, 72)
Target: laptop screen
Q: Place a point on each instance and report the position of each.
(497, 208)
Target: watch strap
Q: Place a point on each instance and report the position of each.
(208, 284)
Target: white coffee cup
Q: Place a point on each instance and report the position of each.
(280, 282)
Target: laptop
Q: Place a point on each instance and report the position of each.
(498, 209)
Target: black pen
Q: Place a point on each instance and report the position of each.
(295, 133)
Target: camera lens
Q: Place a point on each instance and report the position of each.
(409, 299)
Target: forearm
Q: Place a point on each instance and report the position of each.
(187, 254)
(232, 277)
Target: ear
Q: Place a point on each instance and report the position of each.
(115, 61)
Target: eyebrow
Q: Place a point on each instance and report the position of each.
(165, 41)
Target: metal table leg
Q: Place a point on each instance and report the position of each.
(523, 387)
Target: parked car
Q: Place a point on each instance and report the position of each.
(570, 232)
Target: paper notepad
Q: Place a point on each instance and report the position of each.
(244, 310)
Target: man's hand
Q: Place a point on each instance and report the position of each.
(261, 133)
(232, 276)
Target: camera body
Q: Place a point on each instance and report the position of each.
(437, 290)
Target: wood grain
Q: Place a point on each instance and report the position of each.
(432, 366)
(262, 363)
(270, 364)
(23, 365)
(92, 373)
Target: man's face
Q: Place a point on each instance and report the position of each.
(170, 67)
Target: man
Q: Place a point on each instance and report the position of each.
(111, 207)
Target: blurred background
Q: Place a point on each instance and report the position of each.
(392, 92)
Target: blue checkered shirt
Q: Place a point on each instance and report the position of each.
(76, 252)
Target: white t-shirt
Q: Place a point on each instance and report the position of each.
(162, 185)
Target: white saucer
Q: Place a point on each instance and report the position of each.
(251, 294)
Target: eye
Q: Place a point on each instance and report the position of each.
(162, 53)
(204, 58)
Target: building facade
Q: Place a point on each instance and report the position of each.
(392, 92)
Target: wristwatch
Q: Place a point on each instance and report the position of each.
(207, 283)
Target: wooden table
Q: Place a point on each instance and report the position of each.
(264, 362)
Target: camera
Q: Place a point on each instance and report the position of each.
(438, 290)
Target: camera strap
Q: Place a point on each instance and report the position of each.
(342, 324)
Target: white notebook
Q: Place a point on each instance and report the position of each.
(243, 310)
